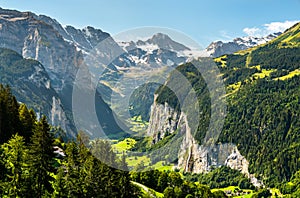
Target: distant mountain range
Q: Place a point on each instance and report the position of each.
(62, 50)
(220, 48)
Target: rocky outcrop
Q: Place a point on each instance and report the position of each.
(163, 121)
(193, 157)
(219, 48)
(238, 162)
(35, 39)
(31, 84)
(57, 113)
(200, 159)
(24, 33)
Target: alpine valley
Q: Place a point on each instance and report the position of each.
(167, 153)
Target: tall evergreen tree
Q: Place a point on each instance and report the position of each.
(72, 164)
(13, 156)
(94, 180)
(27, 119)
(9, 114)
(59, 184)
(41, 158)
(126, 188)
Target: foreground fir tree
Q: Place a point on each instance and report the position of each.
(13, 157)
(27, 121)
(59, 184)
(9, 114)
(73, 182)
(41, 159)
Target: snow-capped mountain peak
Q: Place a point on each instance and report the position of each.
(163, 41)
(220, 48)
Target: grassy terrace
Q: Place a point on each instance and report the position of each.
(234, 191)
(127, 144)
(264, 73)
(124, 145)
(289, 75)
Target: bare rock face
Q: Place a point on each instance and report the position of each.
(35, 39)
(163, 121)
(57, 113)
(238, 162)
(193, 157)
(43, 39)
(200, 159)
(53, 110)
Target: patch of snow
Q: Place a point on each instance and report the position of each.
(122, 68)
(48, 84)
(68, 41)
(134, 58)
(87, 32)
(170, 62)
(12, 19)
(124, 45)
(149, 47)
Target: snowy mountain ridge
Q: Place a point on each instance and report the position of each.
(219, 48)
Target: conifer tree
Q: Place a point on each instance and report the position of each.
(27, 119)
(72, 164)
(13, 157)
(41, 158)
(9, 114)
(59, 184)
(125, 188)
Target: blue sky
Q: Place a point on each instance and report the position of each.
(204, 21)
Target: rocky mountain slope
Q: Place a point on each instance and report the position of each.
(40, 60)
(60, 52)
(31, 84)
(219, 48)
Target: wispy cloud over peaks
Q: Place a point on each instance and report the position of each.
(269, 28)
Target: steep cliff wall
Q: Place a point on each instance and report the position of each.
(199, 159)
(35, 39)
(45, 40)
(193, 157)
(163, 121)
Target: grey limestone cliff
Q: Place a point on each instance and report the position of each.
(193, 157)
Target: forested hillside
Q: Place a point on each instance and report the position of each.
(262, 105)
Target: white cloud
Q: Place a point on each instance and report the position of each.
(279, 26)
(252, 31)
(269, 28)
